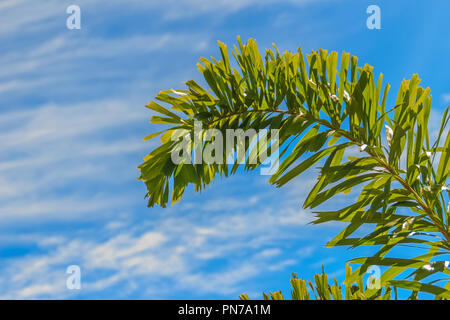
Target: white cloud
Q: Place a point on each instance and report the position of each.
(446, 98)
(176, 9)
(32, 16)
(22, 16)
(54, 146)
(42, 276)
(52, 122)
(54, 209)
(170, 250)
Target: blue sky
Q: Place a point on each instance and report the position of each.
(72, 117)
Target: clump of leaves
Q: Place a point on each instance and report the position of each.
(321, 111)
(322, 290)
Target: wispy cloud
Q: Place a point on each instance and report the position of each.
(163, 254)
(26, 16)
(59, 123)
(446, 98)
(48, 149)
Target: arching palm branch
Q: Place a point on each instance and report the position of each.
(321, 111)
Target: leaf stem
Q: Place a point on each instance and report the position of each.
(352, 139)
